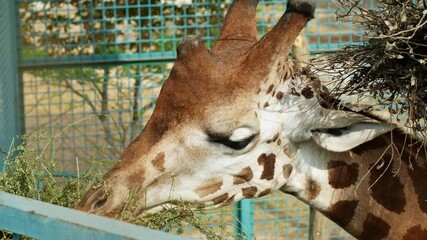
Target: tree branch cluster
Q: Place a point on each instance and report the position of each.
(391, 65)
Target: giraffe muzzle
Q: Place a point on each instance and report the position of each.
(102, 201)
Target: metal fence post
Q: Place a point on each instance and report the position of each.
(244, 219)
(11, 104)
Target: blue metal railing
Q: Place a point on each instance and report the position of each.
(45, 221)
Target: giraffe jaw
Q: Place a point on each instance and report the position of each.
(203, 192)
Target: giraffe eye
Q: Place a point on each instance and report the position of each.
(236, 145)
(238, 140)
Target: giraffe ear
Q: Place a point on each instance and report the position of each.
(345, 132)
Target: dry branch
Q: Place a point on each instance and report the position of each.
(391, 65)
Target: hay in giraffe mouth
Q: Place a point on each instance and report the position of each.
(169, 206)
(174, 216)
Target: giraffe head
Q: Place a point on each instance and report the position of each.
(228, 121)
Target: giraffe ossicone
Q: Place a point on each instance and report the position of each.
(240, 121)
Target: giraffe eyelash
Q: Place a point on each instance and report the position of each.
(225, 140)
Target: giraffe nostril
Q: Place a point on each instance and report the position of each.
(98, 204)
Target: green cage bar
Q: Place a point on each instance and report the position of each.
(11, 105)
(244, 219)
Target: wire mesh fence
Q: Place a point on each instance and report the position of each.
(92, 70)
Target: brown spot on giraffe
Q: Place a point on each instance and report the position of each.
(209, 187)
(229, 201)
(341, 174)
(415, 232)
(294, 92)
(267, 161)
(382, 228)
(279, 95)
(342, 212)
(387, 190)
(266, 104)
(137, 176)
(249, 192)
(245, 175)
(307, 92)
(270, 88)
(287, 170)
(159, 162)
(279, 142)
(275, 137)
(312, 189)
(265, 192)
(220, 199)
(287, 151)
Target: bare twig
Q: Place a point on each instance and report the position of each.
(391, 65)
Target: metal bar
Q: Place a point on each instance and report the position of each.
(41, 220)
(244, 218)
(43, 63)
(11, 96)
(62, 62)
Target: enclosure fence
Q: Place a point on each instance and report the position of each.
(92, 69)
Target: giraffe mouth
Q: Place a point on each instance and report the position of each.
(158, 208)
(166, 206)
(180, 206)
(183, 205)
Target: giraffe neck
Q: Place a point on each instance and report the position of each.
(375, 191)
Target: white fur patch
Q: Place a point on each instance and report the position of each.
(241, 134)
(351, 137)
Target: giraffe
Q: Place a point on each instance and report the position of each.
(241, 121)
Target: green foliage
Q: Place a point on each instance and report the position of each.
(29, 174)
